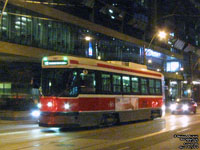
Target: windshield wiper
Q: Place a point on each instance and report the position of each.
(63, 92)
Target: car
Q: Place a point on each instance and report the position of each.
(184, 105)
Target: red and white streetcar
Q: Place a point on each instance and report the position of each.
(80, 92)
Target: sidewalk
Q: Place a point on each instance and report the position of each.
(16, 115)
(4, 122)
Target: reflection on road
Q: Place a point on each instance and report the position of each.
(93, 138)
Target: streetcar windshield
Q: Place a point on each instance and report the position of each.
(60, 82)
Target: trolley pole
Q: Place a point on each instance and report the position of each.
(144, 55)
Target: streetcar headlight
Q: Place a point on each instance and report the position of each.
(67, 106)
(35, 113)
(39, 105)
(185, 107)
(49, 104)
(173, 107)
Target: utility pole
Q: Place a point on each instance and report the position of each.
(145, 59)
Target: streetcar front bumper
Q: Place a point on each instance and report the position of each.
(59, 119)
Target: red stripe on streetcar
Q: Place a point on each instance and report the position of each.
(74, 62)
(129, 70)
(97, 104)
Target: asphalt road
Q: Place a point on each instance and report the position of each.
(169, 132)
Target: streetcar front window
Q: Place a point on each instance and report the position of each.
(59, 82)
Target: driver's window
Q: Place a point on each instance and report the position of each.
(87, 82)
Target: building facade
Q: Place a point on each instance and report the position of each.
(118, 30)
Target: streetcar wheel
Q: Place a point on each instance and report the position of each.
(109, 120)
(152, 116)
(115, 119)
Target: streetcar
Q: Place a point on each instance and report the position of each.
(82, 92)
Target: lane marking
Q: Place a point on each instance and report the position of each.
(138, 138)
(13, 133)
(156, 133)
(183, 130)
(29, 132)
(124, 148)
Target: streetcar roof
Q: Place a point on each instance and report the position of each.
(65, 61)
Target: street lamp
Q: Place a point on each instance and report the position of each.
(158, 70)
(88, 38)
(149, 61)
(181, 68)
(161, 35)
(99, 57)
(89, 50)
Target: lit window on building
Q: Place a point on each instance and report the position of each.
(5, 88)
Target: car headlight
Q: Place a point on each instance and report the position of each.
(173, 107)
(67, 106)
(49, 104)
(185, 107)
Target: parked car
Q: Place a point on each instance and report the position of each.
(183, 105)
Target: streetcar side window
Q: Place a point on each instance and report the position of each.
(151, 86)
(126, 84)
(105, 82)
(87, 82)
(144, 86)
(116, 83)
(158, 87)
(135, 84)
